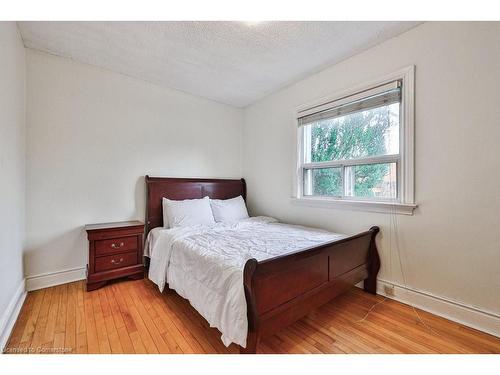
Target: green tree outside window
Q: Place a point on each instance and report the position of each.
(357, 135)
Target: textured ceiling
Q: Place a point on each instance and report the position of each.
(235, 63)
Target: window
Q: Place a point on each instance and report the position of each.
(358, 148)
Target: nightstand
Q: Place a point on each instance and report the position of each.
(115, 251)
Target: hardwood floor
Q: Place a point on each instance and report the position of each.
(133, 317)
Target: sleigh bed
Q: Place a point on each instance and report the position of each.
(281, 289)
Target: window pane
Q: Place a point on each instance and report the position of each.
(371, 132)
(323, 181)
(371, 180)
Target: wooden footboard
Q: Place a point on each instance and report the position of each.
(283, 289)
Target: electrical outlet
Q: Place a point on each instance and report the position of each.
(389, 290)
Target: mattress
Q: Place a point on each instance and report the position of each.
(204, 264)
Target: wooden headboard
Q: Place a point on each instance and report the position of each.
(185, 188)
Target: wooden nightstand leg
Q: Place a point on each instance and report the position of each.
(94, 286)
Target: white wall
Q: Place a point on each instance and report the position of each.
(92, 135)
(12, 172)
(450, 247)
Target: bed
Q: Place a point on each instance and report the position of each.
(250, 279)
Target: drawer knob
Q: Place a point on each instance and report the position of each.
(117, 245)
(116, 262)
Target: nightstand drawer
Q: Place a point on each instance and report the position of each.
(115, 245)
(115, 261)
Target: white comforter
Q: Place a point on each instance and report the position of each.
(204, 264)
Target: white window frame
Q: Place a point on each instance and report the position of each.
(405, 202)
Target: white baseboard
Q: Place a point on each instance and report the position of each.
(10, 315)
(467, 315)
(55, 278)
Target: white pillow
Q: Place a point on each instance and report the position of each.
(186, 212)
(229, 210)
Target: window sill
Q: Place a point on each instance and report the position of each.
(381, 207)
